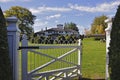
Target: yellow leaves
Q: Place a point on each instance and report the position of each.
(100, 29)
(98, 26)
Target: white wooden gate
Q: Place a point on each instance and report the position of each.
(34, 69)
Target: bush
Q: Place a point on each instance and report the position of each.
(68, 39)
(5, 66)
(98, 38)
(114, 49)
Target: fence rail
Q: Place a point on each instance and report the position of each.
(46, 47)
(13, 41)
(50, 62)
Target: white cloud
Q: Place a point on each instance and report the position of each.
(35, 11)
(25, 0)
(39, 24)
(4, 1)
(79, 14)
(111, 15)
(105, 7)
(56, 21)
(53, 16)
(46, 9)
(81, 29)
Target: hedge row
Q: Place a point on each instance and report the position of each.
(54, 40)
(114, 49)
(5, 66)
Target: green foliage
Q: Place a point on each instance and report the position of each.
(36, 39)
(5, 66)
(114, 49)
(26, 18)
(98, 26)
(71, 25)
(68, 39)
(98, 38)
(61, 39)
(32, 37)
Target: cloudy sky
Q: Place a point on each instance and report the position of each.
(52, 12)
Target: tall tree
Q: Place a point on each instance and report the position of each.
(26, 18)
(98, 26)
(5, 66)
(71, 25)
(114, 49)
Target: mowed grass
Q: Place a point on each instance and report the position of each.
(93, 59)
(36, 60)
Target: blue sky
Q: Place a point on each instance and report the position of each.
(52, 12)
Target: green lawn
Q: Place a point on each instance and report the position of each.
(40, 60)
(93, 59)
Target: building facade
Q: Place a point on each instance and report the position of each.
(57, 31)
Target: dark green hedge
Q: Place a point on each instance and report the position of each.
(5, 66)
(69, 39)
(114, 49)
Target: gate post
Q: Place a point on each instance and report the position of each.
(13, 43)
(80, 57)
(24, 58)
(108, 31)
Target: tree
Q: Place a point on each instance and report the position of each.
(98, 26)
(71, 26)
(114, 49)
(5, 66)
(26, 18)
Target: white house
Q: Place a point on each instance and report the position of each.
(57, 31)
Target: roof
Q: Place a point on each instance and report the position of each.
(40, 32)
(59, 29)
(55, 29)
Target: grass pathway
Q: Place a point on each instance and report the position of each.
(93, 59)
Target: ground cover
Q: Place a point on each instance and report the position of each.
(93, 59)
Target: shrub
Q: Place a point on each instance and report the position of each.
(5, 66)
(98, 38)
(114, 49)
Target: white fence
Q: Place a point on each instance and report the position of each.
(13, 40)
(108, 31)
(61, 73)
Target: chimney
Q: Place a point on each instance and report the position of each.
(60, 26)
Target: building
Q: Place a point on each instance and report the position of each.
(57, 31)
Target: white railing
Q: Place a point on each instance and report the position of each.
(13, 40)
(108, 31)
(36, 74)
(62, 73)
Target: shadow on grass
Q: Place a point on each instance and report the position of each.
(90, 79)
